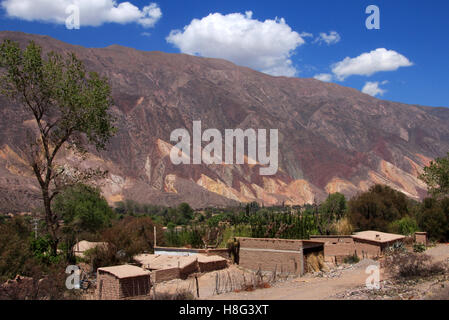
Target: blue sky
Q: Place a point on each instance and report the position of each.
(414, 33)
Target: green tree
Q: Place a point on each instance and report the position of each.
(83, 208)
(335, 206)
(332, 210)
(436, 176)
(406, 226)
(434, 218)
(185, 211)
(377, 208)
(69, 107)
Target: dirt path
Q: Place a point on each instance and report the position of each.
(305, 288)
(310, 288)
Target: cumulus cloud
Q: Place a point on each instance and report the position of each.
(265, 46)
(329, 38)
(92, 12)
(373, 89)
(325, 77)
(368, 64)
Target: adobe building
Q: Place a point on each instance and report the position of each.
(366, 244)
(169, 267)
(122, 282)
(421, 238)
(277, 254)
(166, 268)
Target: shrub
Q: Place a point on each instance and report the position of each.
(342, 227)
(178, 295)
(397, 247)
(419, 247)
(434, 217)
(377, 208)
(352, 259)
(413, 265)
(406, 226)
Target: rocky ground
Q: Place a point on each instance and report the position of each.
(418, 289)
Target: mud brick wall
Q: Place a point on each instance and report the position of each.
(224, 253)
(369, 250)
(134, 287)
(271, 254)
(108, 287)
(188, 270)
(336, 249)
(271, 261)
(274, 244)
(166, 275)
(212, 266)
(421, 238)
(111, 288)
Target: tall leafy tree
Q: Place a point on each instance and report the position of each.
(436, 176)
(69, 107)
(377, 208)
(83, 208)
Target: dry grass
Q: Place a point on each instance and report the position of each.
(342, 227)
(315, 262)
(178, 295)
(413, 265)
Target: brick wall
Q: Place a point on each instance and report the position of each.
(336, 249)
(185, 272)
(166, 275)
(111, 288)
(134, 287)
(270, 261)
(275, 244)
(224, 253)
(108, 287)
(369, 250)
(272, 254)
(421, 238)
(212, 266)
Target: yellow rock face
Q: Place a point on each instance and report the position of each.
(169, 185)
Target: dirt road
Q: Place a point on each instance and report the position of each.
(310, 288)
(306, 288)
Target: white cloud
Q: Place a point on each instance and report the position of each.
(306, 35)
(373, 89)
(92, 12)
(325, 77)
(332, 38)
(368, 64)
(265, 46)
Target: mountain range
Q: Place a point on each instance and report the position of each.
(331, 138)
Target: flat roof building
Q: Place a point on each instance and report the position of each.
(121, 282)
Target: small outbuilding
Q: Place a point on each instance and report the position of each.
(366, 244)
(421, 238)
(122, 282)
(166, 268)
